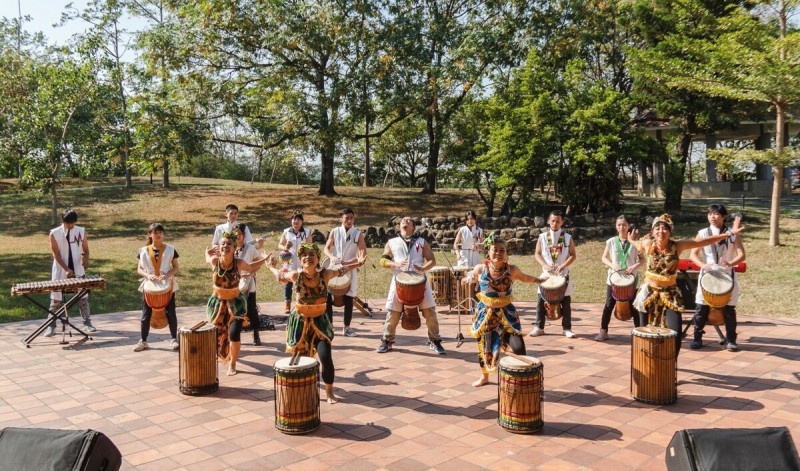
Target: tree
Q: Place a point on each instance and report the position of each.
(755, 58)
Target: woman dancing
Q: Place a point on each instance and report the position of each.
(496, 324)
(227, 307)
(312, 334)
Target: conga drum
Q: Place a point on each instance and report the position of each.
(410, 288)
(654, 365)
(519, 394)
(157, 295)
(439, 278)
(197, 364)
(459, 293)
(296, 395)
(717, 289)
(623, 290)
(338, 286)
(552, 291)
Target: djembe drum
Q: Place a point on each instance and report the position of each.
(410, 288)
(338, 286)
(623, 290)
(197, 364)
(654, 365)
(552, 291)
(717, 289)
(296, 395)
(157, 295)
(520, 381)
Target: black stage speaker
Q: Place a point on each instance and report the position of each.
(41, 449)
(734, 449)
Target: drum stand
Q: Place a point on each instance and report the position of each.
(363, 306)
(460, 336)
(60, 314)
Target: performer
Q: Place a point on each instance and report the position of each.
(227, 307)
(725, 254)
(70, 251)
(619, 254)
(344, 242)
(496, 324)
(468, 244)
(313, 336)
(659, 297)
(408, 253)
(157, 261)
(249, 254)
(555, 252)
(291, 238)
(232, 215)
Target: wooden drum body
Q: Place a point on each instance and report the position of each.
(519, 394)
(553, 291)
(297, 395)
(459, 293)
(439, 278)
(197, 367)
(654, 365)
(157, 295)
(410, 287)
(339, 286)
(717, 289)
(623, 290)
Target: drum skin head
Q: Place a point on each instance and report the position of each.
(204, 328)
(438, 269)
(302, 363)
(517, 364)
(716, 282)
(410, 278)
(157, 287)
(554, 281)
(620, 278)
(653, 331)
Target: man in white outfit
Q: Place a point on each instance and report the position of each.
(344, 244)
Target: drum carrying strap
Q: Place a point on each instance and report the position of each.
(155, 258)
(623, 250)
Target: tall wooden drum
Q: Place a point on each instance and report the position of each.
(654, 365)
(439, 278)
(197, 366)
(519, 394)
(297, 395)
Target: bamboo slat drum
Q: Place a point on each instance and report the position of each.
(519, 394)
(297, 395)
(654, 365)
(459, 293)
(439, 278)
(197, 366)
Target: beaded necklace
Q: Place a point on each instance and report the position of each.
(555, 250)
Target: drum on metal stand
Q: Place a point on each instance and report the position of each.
(520, 381)
(654, 365)
(461, 294)
(717, 289)
(197, 365)
(439, 278)
(157, 295)
(297, 395)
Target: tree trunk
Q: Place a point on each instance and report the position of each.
(166, 173)
(54, 199)
(433, 157)
(777, 178)
(366, 153)
(326, 179)
(675, 174)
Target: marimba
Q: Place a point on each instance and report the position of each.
(79, 286)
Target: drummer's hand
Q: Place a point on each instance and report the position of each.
(616, 267)
(336, 261)
(288, 245)
(85, 264)
(259, 243)
(419, 268)
(630, 270)
(213, 250)
(362, 258)
(634, 234)
(542, 279)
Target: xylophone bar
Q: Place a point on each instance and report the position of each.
(70, 285)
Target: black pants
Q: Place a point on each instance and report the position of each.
(674, 322)
(172, 318)
(348, 309)
(566, 313)
(252, 311)
(326, 361)
(609, 308)
(235, 330)
(701, 318)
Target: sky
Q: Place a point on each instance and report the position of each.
(44, 13)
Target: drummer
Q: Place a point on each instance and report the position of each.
(409, 253)
(291, 238)
(496, 324)
(555, 252)
(659, 297)
(344, 242)
(619, 255)
(468, 244)
(311, 337)
(158, 262)
(249, 254)
(723, 255)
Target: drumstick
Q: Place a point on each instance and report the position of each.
(197, 326)
(520, 358)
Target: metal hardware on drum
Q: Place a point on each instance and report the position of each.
(80, 286)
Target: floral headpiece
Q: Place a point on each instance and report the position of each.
(666, 219)
(493, 238)
(297, 214)
(308, 246)
(231, 234)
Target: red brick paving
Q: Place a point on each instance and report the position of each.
(405, 410)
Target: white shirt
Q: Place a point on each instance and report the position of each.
(222, 228)
(562, 257)
(712, 254)
(345, 247)
(248, 254)
(296, 239)
(76, 236)
(165, 264)
(469, 254)
(614, 253)
(400, 253)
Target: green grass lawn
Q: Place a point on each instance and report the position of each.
(116, 220)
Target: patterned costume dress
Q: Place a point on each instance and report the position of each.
(302, 334)
(494, 325)
(662, 269)
(225, 305)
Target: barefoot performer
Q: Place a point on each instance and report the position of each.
(496, 324)
(305, 334)
(659, 296)
(227, 307)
